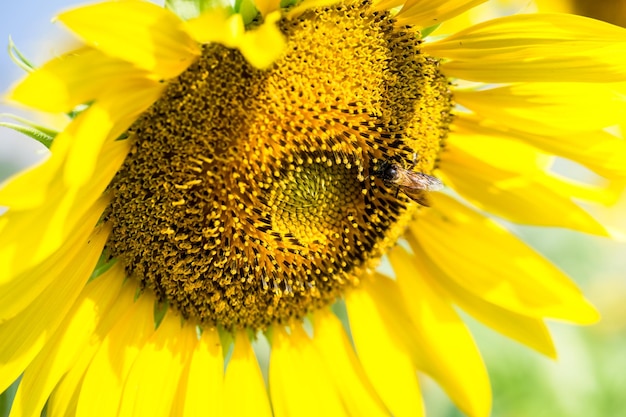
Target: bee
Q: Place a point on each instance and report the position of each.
(414, 184)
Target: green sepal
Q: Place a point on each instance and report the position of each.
(340, 310)
(18, 58)
(269, 335)
(6, 398)
(105, 262)
(247, 10)
(160, 309)
(41, 134)
(188, 9)
(228, 344)
(123, 136)
(427, 31)
(73, 114)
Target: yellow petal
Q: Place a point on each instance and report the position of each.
(485, 259)
(217, 26)
(260, 46)
(607, 194)
(18, 293)
(201, 392)
(426, 13)
(75, 78)
(526, 330)
(20, 249)
(394, 376)
(348, 376)
(139, 32)
(599, 151)
(267, 6)
(153, 379)
(535, 48)
(41, 179)
(26, 334)
(88, 145)
(265, 44)
(46, 183)
(112, 363)
(478, 14)
(103, 122)
(560, 6)
(67, 343)
(548, 108)
(244, 390)
(64, 399)
(384, 5)
(300, 384)
(447, 350)
(523, 197)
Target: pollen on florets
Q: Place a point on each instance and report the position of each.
(248, 198)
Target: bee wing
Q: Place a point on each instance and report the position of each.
(421, 181)
(416, 186)
(417, 195)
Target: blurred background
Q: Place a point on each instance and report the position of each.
(589, 378)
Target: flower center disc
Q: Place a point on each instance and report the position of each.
(249, 197)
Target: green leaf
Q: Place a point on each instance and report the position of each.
(18, 58)
(41, 135)
(188, 9)
(47, 131)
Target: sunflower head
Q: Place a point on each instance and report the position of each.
(257, 186)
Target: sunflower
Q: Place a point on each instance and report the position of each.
(255, 184)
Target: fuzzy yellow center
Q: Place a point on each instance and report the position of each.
(250, 197)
